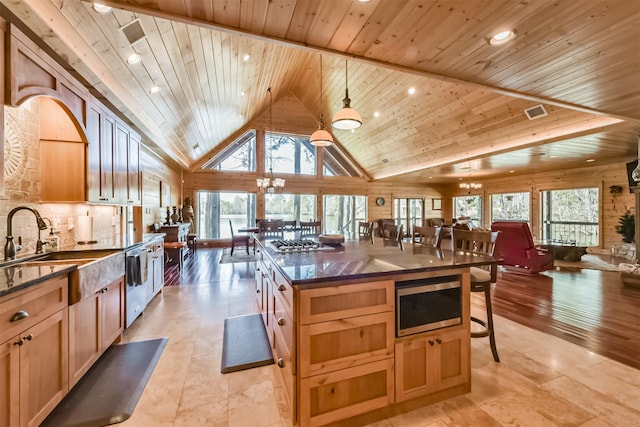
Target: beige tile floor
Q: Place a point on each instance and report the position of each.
(541, 381)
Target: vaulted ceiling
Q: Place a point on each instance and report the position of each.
(213, 61)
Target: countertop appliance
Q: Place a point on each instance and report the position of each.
(137, 278)
(299, 245)
(426, 304)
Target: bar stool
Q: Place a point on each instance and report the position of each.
(481, 242)
(192, 242)
(175, 253)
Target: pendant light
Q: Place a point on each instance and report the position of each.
(347, 118)
(321, 137)
(269, 184)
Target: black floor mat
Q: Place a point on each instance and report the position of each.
(245, 344)
(109, 392)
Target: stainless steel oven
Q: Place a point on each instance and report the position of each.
(427, 304)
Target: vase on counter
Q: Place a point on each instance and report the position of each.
(175, 217)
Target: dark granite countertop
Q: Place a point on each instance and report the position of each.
(360, 259)
(17, 276)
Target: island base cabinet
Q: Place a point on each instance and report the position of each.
(346, 393)
(432, 362)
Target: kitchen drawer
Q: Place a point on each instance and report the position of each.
(340, 302)
(33, 305)
(339, 344)
(342, 394)
(284, 290)
(282, 320)
(284, 361)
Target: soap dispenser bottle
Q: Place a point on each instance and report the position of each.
(51, 242)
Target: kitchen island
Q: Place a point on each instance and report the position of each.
(338, 334)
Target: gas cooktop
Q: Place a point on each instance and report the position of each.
(299, 245)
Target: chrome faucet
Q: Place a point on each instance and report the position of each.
(10, 247)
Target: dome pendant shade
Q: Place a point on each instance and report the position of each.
(321, 138)
(347, 118)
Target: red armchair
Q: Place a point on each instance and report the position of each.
(515, 248)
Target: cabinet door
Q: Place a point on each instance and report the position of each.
(44, 365)
(158, 271)
(431, 363)
(133, 171)
(84, 339)
(94, 127)
(9, 383)
(107, 145)
(111, 313)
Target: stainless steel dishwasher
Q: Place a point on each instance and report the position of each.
(137, 278)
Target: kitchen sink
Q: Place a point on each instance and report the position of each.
(96, 269)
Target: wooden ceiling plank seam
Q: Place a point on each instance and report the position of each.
(350, 26)
(226, 12)
(326, 22)
(279, 13)
(304, 14)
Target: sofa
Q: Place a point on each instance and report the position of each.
(515, 248)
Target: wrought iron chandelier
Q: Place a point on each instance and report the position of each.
(269, 184)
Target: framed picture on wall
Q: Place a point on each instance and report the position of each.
(165, 194)
(436, 204)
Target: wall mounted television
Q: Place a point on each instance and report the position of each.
(630, 167)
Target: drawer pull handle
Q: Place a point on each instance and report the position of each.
(19, 316)
(19, 342)
(29, 337)
(280, 362)
(281, 321)
(258, 291)
(438, 340)
(282, 288)
(431, 342)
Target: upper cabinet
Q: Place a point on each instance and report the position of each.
(114, 158)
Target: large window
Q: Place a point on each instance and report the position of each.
(342, 213)
(571, 216)
(214, 211)
(468, 207)
(288, 207)
(292, 154)
(510, 207)
(240, 155)
(409, 213)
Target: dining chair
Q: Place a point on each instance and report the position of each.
(481, 242)
(290, 225)
(425, 236)
(365, 231)
(271, 228)
(392, 235)
(310, 228)
(238, 239)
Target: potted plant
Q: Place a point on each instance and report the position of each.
(627, 227)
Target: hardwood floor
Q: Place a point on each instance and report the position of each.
(589, 308)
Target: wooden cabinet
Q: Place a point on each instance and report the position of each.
(430, 363)
(114, 158)
(156, 268)
(346, 351)
(101, 129)
(33, 353)
(62, 170)
(95, 323)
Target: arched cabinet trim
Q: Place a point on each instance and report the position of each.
(31, 72)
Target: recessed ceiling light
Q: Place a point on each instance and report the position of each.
(502, 37)
(246, 57)
(243, 93)
(591, 160)
(363, 1)
(134, 58)
(102, 9)
(154, 89)
(376, 114)
(411, 90)
(511, 171)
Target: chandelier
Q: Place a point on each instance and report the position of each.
(269, 184)
(470, 185)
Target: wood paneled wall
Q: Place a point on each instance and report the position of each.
(602, 177)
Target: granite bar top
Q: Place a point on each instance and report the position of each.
(356, 259)
(17, 276)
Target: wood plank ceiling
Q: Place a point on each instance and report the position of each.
(213, 61)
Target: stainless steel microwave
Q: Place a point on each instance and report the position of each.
(428, 304)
